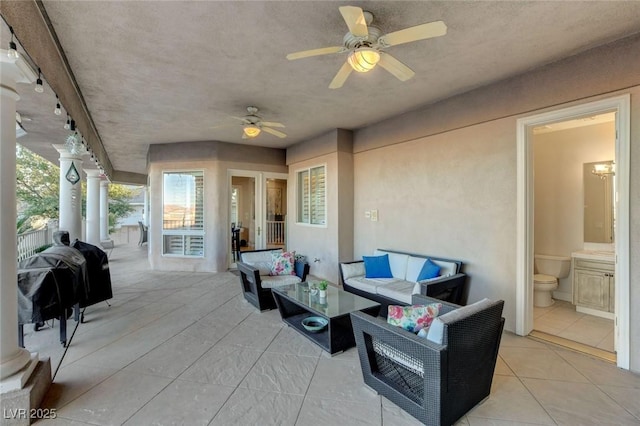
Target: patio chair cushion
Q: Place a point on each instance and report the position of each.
(260, 260)
(279, 280)
(350, 270)
(283, 263)
(436, 331)
(413, 318)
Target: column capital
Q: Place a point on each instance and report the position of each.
(66, 154)
(93, 173)
(15, 71)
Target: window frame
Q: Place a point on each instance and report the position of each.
(298, 196)
(184, 232)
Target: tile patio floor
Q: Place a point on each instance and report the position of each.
(185, 348)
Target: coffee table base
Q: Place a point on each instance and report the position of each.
(335, 338)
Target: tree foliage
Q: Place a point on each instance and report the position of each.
(38, 188)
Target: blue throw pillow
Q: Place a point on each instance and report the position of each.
(429, 270)
(377, 266)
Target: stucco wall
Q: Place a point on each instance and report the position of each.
(450, 195)
(333, 242)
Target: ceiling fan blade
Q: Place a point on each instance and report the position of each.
(341, 76)
(272, 124)
(274, 132)
(354, 18)
(395, 67)
(419, 32)
(315, 52)
(243, 119)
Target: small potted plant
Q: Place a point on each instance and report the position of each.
(322, 287)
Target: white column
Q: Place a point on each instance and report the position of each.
(16, 364)
(104, 211)
(93, 207)
(70, 207)
(145, 215)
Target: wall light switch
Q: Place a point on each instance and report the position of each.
(374, 215)
(367, 214)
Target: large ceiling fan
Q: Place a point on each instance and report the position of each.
(253, 125)
(365, 45)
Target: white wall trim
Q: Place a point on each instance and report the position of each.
(524, 233)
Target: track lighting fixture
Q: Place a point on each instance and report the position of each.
(72, 126)
(57, 110)
(67, 125)
(39, 87)
(13, 51)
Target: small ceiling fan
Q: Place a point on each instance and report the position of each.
(253, 125)
(365, 45)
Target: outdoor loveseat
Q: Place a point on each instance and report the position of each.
(449, 285)
(436, 379)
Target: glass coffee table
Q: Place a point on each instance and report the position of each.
(296, 302)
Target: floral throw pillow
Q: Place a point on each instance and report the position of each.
(413, 318)
(283, 263)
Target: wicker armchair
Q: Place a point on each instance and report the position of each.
(256, 288)
(435, 383)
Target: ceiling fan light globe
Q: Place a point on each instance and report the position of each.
(364, 59)
(251, 131)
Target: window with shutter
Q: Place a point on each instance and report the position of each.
(183, 214)
(312, 196)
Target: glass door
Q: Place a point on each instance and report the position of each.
(257, 212)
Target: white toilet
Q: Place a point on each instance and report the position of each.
(545, 281)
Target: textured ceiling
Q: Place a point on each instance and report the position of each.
(159, 72)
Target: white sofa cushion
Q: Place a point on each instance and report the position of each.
(417, 287)
(399, 290)
(414, 266)
(398, 263)
(259, 259)
(436, 331)
(278, 280)
(447, 269)
(369, 284)
(351, 270)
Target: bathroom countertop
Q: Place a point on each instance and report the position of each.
(595, 255)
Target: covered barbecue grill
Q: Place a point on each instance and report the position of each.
(61, 277)
(49, 285)
(99, 288)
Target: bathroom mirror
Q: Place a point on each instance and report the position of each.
(598, 202)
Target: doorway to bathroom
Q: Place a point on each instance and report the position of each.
(560, 154)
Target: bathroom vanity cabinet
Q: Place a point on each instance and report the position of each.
(594, 284)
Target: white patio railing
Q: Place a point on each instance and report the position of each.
(275, 232)
(29, 242)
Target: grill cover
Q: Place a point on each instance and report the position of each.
(99, 288)
(49, 283)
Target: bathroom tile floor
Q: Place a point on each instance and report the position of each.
(185, 348)
(561, 319)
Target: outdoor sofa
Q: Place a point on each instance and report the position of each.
(405, 267)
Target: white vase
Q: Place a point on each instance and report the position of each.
(322, 294)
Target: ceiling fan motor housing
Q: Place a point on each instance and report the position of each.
(352, 42)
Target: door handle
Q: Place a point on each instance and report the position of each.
(259, 230)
